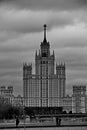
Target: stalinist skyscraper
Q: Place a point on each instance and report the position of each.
(45, 87)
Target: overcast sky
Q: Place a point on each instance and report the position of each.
(21, 32)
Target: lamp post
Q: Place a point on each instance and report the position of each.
(23, 104)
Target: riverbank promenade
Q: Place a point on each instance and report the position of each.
(51, 127)
(46, 125)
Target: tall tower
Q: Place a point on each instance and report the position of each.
(60, 72)
(43, 88)
(27, 77)
(44, 68)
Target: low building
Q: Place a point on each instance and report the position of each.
(66, 103)
(6, 94)
(78, 99)
(17, 101)
(86, 103)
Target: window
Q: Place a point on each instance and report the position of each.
(43, 62)
(44, 54)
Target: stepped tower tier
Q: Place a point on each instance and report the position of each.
(45, 46)
(44, 62)
(60, 72)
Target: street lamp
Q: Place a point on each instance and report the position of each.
(23, 104)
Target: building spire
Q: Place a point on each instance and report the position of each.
(45, 32)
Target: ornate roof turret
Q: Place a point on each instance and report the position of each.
(45, 46)
(45, 43)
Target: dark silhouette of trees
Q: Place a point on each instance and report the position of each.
(29, 112)
(4, 111)
(64, 112)
(70, 112)
(8, 112)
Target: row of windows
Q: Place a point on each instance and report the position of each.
(44, 62)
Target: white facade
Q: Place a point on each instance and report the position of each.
(17, 101)
(66, 103)
(45, 87)
(6, 94)
(78, 99)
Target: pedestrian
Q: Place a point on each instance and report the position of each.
(17, 121)
(59, 122)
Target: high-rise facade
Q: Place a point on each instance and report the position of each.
(45, 87)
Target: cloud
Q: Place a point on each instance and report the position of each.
(47, 4)
(31, 21)
(26, 21)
